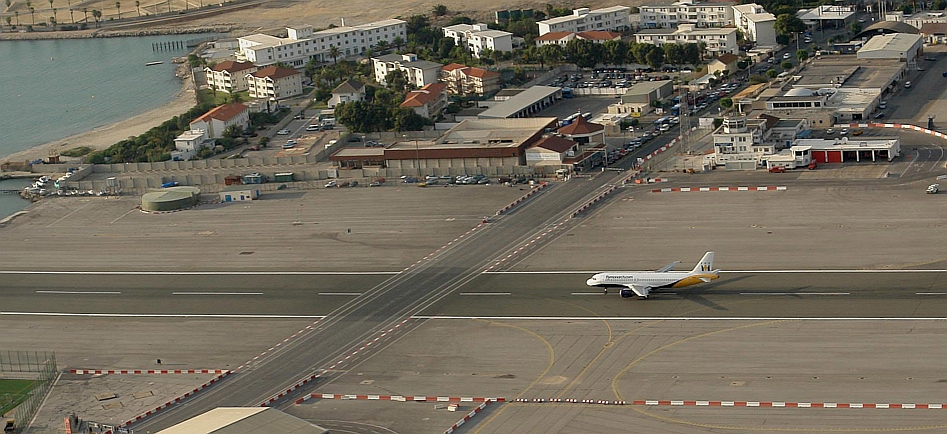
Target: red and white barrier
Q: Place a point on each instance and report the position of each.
(467, 417)
(595, 200)
(146, 371)
(897, 126)
(760, 404)
(532, 192)
(175, 401)
(702, 189)
(398, 398)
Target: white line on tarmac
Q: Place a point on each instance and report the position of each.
(157, 315)
(588, 293)
(673, 318)
(122, 216)
(208, 273)
(216, 293)
(486, 293)
(341, 293)
(931, 293)
(735, 271)
(78, 292)
(795, 293)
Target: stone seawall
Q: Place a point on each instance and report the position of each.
(100, 33)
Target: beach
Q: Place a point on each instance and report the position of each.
(103, 137)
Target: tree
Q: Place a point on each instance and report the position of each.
(69, 5)
(802, 55)
(85, 11)
(940, 5)
(702, 47)
(907, 9)
(398, 42)
(50, 4)
(233, 131)
(614, 52)
(655, 57)
(52, 20)
(8, 19)
(138, 7)
(758, 78)
(583, 53)
(396, 81)
(692, 54)
(118, 5)
(855, 27)
(97, 14)
(771, 73)
(235, 98)
(550, 54)
(439, 10)
(789, 24)
(726, 103)
(32, 19)
(743, 64)
(674, 53)
(786, 65)
(406, 119)
(334, 53)
(17, 15)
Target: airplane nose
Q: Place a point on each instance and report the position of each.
(590, 282)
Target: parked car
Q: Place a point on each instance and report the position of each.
(331, 184)
(284, 132)
(843, 132)
(933, 188)
(312, 127)
(813, 165)
(907, 84)
(777, 169)
(353, 184)
(830, 131)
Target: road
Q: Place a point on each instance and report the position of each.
(355, 322)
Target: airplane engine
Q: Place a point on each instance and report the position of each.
(627, 293)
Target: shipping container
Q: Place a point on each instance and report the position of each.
(283, 177)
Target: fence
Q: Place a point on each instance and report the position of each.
(38, 366)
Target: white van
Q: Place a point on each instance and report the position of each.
(783, 76)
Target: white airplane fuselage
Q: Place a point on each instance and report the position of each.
(641, 283)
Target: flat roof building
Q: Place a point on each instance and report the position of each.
(718, 40)
(903, 47)
(244, 420)
(525, 103)
(701, 14)
(648, 91)
(611, 18)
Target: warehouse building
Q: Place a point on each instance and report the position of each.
(239, 193)
(471, 144)
(903, 47)
(525, 103)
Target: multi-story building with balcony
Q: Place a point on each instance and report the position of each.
(686, 12)
(615, 18)
(718, 40)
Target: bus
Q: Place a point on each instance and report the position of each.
(567, 92)
(663, 120)
(676, 110)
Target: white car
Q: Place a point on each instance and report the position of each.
(313, 128)
(907, 84)
(284, 132)
(331, 184)
(844, 132)
(786, 56)
(830, 131)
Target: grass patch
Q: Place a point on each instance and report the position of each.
(13, 392)
(76, 152)
(220, 98)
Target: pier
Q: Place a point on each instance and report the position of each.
(179, 45)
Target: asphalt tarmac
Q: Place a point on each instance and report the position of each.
(766, 294)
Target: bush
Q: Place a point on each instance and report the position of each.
(76, 152)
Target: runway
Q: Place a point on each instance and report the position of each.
(762, 294)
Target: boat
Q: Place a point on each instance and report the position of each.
(154, 63)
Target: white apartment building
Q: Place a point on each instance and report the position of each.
(718, 40)
(275, 82)
(686, 12)
(477, 37)
(419, 73)
(216, 121)
(302, 44)
(615, 18)
(189, 143)
(229, 76)
(755, 23)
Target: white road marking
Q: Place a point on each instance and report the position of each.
(78, 292)
(341, 293)
(672, 318)
(216, 293)
(795, 293)
(208, 273)
(588, 293)
(69, 214)
(814, 271)
(122, 216)
(931, 293)
(157, 315)
(486, 293)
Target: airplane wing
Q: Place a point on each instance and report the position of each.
(667, 267)
(639, 290)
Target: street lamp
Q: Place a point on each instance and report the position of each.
(417, 154)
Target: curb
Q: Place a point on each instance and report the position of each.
(535, 190)
(467, 417)
(695, 189)
(398, 398)
(174, 401)
(761, 404)
(146, 371)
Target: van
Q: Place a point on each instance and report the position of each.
(665, 127)
(782, 76)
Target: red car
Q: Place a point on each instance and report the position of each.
(777, 169)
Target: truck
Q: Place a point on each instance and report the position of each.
(933, 188)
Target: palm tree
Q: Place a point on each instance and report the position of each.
(334, 53)
(69, 5)
(8, 19)
(52, 22)
(398, 42)
(85, 11)
(17, 14)
(118, 5)
(32, 18)
(138, 6)
(96, 14)
(50, 4)
(55, 19)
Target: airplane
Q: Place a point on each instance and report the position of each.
(641, 283)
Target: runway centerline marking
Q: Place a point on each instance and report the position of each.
(208, 273)
(484, 293)
(670, 318)
(341, 293)
(158, 315)
(931, 293)
(216, 293)
(813, 271)
(79, 292)
(588, 293)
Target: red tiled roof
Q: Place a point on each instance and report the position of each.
(598, 35)
(580, 126)
(231, 66)
(452, 66)
(554, 143)
(552, 36)
(770, 120)
(417, 98)
(481, 73)
(222, 113)
(727, 58)
(275, 72)
(934, 28)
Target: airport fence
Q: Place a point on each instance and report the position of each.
(36, 366)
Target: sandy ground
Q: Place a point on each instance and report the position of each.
(101, 138)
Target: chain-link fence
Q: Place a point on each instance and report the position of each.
(39, 367)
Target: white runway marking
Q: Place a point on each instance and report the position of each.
(931, 293)
(157, 315)
(486, 293)
(795, 293)
(208, 273)
(672, 318)
(734, 271)
(78, 292)
(588, 293)
(341, 293)
(216, 293)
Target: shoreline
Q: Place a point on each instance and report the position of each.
(102, 137)
(111, 33)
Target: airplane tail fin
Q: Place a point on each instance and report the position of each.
(706, 264)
